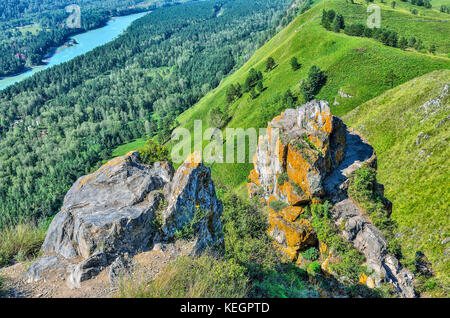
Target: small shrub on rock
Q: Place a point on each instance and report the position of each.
(314, 269)
(311, 254)
(153, 152)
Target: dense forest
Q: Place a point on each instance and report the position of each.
(31, 28)
(10, 9)
(60, 123)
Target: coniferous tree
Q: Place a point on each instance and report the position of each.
(288, 99)
(336, 26)
(253, 93)
(324, 17)
(260, 86)
(432, 48)
(340, 21)
(403, 44)
(331, 14)
(270, 64)
(231, 94)
(315, 81)
(295, 65)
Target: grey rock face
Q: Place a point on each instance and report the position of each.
(191, 194)
(109, 204)
(358, 229)
(116, 210)
(40, 266)
(119, 268)
(87, 269)
(307, 138)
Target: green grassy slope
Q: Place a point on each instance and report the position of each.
(437, 3)
(357, 65)
(415, 176)
(414, 170)
(429, 25)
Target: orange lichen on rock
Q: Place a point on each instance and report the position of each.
(194, 159)
(253, 177)
(297, 169)
(291, 236)
(328, 125)
(325, 266)
(288, 191)
(366, 280)
(299, 150)
(291, 213)
(322, 247)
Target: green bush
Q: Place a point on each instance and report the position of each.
(247, 242)
(153, 152)
(187, 232)
(157, 219)
(314, 269)
(295, 65)
(287, 282)
(362, 184)
(311, 254)
(363, 189)
(245, 233)
(350, 265)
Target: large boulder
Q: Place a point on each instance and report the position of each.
(191, 196)
(306, 156)
(109, 209)
(301, 148)
(125, 207)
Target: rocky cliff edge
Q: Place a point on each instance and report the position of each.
(126, 207)
(306, 157)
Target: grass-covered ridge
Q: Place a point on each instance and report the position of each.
(411, 139)
(358, 66)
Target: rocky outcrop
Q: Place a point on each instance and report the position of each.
(302, 146)
(191, 195)
(125, 207)
(306, 156)
(342, 94)
(358, 229)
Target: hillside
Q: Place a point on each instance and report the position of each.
(360, 67)
(409, 128)
(64, 121)
(357, 66)
(348, 199)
